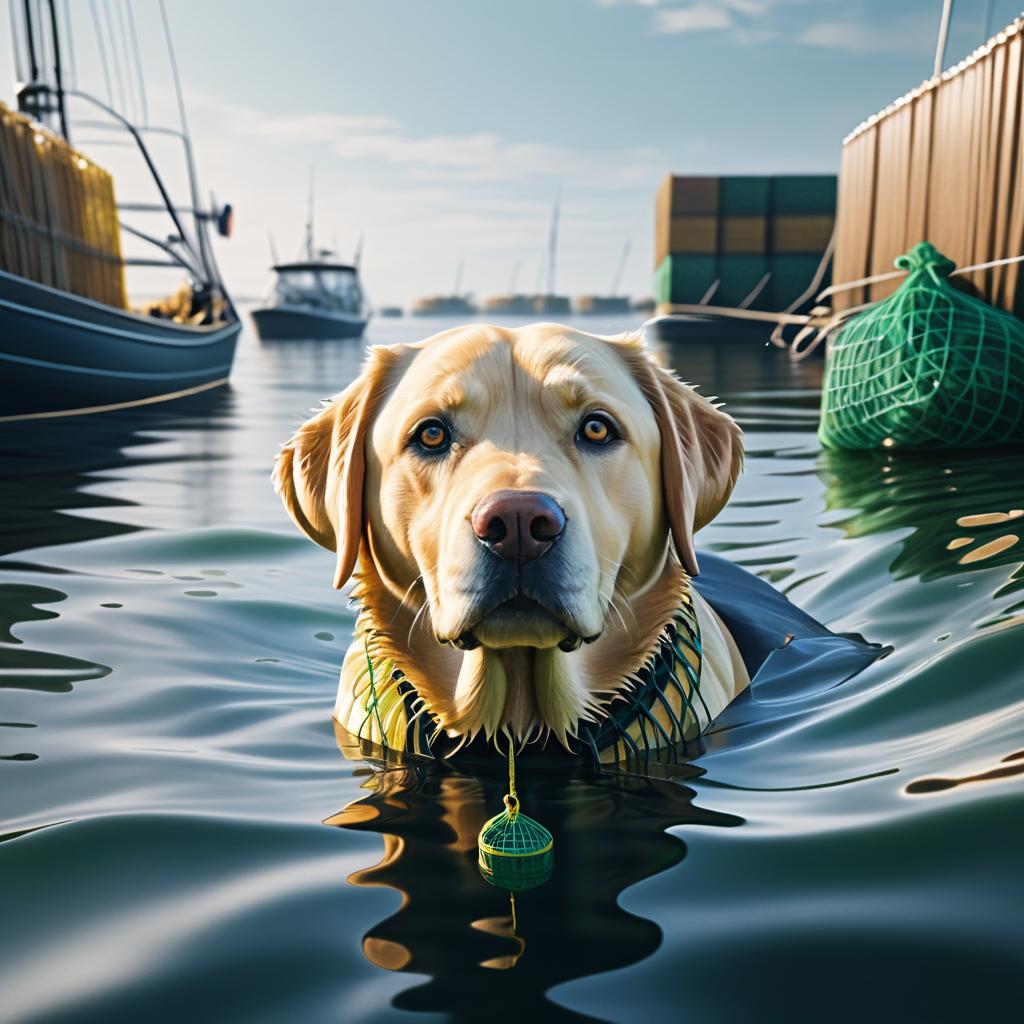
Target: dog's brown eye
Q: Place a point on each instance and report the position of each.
(433, 435)
(597, 429)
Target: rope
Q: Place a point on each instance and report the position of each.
(512, 797)
(821, 321)
(373, 692)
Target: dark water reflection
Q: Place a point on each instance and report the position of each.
(460, 931)
(169, 651)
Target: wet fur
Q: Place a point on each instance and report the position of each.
(346, 483)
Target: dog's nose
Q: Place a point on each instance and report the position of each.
(518, 525)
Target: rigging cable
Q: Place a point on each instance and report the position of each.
(113, 57)
(204, 251)
(19, 69)
(129, 81)
(102, 51)
(69, 37)
(138, 63)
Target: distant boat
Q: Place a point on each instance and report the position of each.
(509, 305)
(317, 298)
(613, 302)
(390, 311)
(554, 305)
(512, 302)
(455, 304)
(593, 305)
(443, 305)
(550, 304)
(69, 342)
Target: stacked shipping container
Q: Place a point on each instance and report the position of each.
(737, 230)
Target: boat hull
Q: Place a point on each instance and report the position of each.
(281, 323)
(61, 354)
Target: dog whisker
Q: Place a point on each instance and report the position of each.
(405, 597)
(416, 618)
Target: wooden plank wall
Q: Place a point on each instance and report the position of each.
(943, 164)
(58, 214)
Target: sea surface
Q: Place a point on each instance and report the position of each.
(182, 837)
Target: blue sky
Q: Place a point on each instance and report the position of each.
(442, 129)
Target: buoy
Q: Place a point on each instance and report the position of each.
(515, 852)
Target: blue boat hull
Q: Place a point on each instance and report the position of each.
(281, 323)
(62, 354)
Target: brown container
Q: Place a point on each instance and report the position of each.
(693, 235)
(681, 197)
(801, 233)
(743, 235)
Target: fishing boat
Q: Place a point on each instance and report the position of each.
(70, 341)
(317, 298)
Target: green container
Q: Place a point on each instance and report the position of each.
(791, 276)
(738, 277)
(804, 193)
(743, 196)
(684, 278)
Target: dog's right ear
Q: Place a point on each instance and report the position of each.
(319, 473)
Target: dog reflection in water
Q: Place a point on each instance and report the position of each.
(459, 930)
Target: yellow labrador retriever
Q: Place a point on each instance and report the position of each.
(518, 509)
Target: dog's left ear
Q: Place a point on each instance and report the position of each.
(319, 473)
(701, 451)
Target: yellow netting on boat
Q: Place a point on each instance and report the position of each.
(58, 214)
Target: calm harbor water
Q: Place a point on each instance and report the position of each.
(183, 838)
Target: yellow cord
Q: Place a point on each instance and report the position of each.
(512, 798)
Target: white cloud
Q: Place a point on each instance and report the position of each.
(470, 157)
(699, 18)
(756, 22)
(860, 38)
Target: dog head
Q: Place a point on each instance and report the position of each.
(522, 478)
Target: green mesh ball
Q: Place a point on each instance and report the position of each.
(515, 852)
(928, 367)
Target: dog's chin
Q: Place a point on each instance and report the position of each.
(518, 622)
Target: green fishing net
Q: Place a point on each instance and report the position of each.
(927, 367)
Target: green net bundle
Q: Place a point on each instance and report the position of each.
(928, 367)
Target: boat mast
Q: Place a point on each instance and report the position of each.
(309, 221)
(514, 277)
(553, 245)
(36, 96)
(617, 279)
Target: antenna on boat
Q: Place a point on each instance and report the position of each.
(358, 257)
(309, 219)
(273, 250)
(458, 279)
(617, 279)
